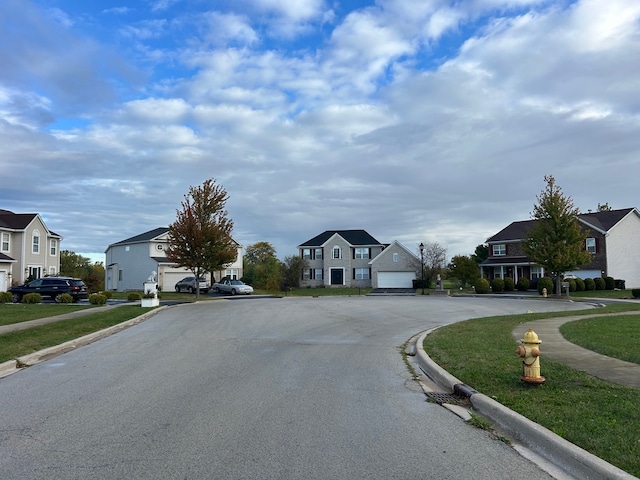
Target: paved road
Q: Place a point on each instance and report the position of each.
(310, 388)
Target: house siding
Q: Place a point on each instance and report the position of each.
(623, 251)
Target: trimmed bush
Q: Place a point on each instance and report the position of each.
(599, 283)
(509, 286)
(32, 298)
(609, 283)
(6, 297)
(65, 298)
(133, 296)
(589, 284)
(523, 284)
(579, 285)
(572, 284)
(635, 292)
(482, 286)
(545, 282)
(108, 294)
(497, 285)
(97, 299)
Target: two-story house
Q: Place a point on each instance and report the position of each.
(130, 262)
(354, 258)
(613, 239)
(28, 249)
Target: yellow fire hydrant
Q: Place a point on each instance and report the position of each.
(530, 353)
(544, 292)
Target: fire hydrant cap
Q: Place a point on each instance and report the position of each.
(530, 337)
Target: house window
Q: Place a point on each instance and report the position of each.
(497, 272)
(53, 247)
(362, 252)
(306, 253)
(536, 273)
(4, 247)
(231, 273)
(120, 275)
(591, 245)
(318, 254)
(396, 258)
(52, 271)
(306, 274)
(35, 242)
(361, 273)
(336, 252)
(318, 274)
(499, 250)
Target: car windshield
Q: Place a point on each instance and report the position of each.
(236, 282)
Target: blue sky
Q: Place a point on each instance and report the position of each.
(430, 121)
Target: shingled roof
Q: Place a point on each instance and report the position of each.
(143, 237)
(19, 221)
(352, 237)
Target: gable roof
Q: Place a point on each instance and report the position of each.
(602, 221)
(20, 221)
(352, 237)
(388, 250)
(143, 237)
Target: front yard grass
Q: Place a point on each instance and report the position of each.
(23, 342)
(20, 312)
(599, 416)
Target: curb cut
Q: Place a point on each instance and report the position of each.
(570, 458)
(13, 366)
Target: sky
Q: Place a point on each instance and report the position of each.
(417, 121)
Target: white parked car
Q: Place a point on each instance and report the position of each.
(234, 287)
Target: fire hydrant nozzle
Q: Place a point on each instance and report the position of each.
(530, 354)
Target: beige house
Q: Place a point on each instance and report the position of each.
(130, 262)
(28, 249)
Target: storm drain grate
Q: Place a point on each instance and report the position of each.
(451, 398)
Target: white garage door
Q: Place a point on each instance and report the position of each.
(396, 279)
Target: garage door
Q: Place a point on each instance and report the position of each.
(396, 279)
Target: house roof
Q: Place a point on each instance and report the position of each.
(352, 237)
(387, 250)
(20, 221)
(143, 237)
(6, 258)
(603, 221)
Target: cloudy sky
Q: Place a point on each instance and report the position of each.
(416, 120)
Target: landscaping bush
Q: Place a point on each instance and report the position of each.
(523, 284)
(589, 284)
(6, 297)
(545, 282)
(108, 294)
(599, 283)
(497, 285)
(32, 298)
(579, 285)
(609, 283)
(65, 298)
(482, 286)
(635, 292)
(133, 296)
(572, 284)
(97, 299)
(509, 285)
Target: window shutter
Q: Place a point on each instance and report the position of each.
(354, 273)
(369, 252)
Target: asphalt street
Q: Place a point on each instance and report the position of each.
(288, 388)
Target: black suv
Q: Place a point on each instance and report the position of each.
(52, 287)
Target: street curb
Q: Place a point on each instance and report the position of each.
(572, 459)
(13, 366)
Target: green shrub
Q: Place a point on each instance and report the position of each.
(545, 282)
(509, 286)
(133, 296)
(609, 283)
(635, 292)
(65, 298)
(497, 285)
(589, 284)
(482, 286)
(523, 284)
(572, 284)
(599, 283)
(579, 285)
(32, 298)
(108, 294)
(97, 299)
(6, 297)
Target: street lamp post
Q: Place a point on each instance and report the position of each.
(422, 264)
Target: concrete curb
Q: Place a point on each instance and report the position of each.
(570, 458)
(13, 366)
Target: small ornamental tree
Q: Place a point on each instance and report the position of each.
(465, 269)
(556, 241)
(200, 238)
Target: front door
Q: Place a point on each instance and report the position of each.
(337, 276)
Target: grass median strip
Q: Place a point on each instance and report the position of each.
(11, 313)
(16, 344)
(599, 416)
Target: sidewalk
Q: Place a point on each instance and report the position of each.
(555, 347)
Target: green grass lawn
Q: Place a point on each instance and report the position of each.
(20, 312)
(599, 416)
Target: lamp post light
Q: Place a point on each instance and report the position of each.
(422, 264)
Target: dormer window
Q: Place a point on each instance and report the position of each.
(499, 250)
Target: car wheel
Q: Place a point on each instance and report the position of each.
(177, 289)
(57, 297)
(192, 290)
(233, 291)
(16, 297)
